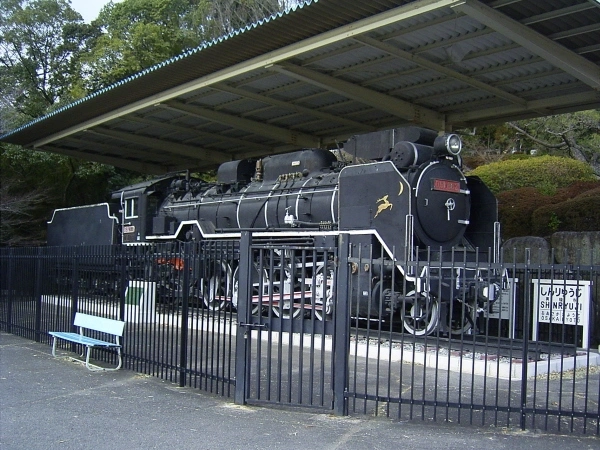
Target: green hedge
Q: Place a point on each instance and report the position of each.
(545, 173)
(578, 214)
(515, 209)
(528, 212)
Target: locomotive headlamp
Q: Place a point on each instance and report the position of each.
(447, 144)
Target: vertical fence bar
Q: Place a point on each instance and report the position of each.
(244, 297)
(525, 349)
(9, 283)
(185, 284)
(341, 335)
(37, 294)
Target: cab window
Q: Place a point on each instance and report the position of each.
(131, 208)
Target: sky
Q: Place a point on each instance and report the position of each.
(89, 9)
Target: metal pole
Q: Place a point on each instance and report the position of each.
(10, 264)
(37, 295)
(526, 330)
(242, 342)
(184, 314)
(341, 336)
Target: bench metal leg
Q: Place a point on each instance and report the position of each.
(101, 369)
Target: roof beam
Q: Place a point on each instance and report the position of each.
(557, 13)
(200, 133)
(423, 62)
(393, 105)
(575, 31)
(161, 158)
(293, 106)
(556, 54)
(136, 166)
(551, 104)
(280, 134)
(196, 153)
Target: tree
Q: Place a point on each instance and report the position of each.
(221, 17)
(574, 135)
(40, 45)
(49, 57)
(138, 34)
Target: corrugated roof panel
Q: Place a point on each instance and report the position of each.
(268, 80)
(443, 88)
(341, 61)
(540, 83)
(515, 72)
(295, 91)
(425, 20)
(323, 100)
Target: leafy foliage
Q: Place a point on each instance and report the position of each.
(574, 135)
(138, 34)
(515, 209)
(40, 45)
(526, 211)
(545, 173)
(578, 214)
(35, 183)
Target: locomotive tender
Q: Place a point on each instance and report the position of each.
(410, 198)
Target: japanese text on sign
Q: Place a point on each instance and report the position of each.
(564, 303)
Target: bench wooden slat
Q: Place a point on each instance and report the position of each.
(84, 340)
(102, 324)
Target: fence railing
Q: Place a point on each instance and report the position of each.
(529, 359)
(282, 323)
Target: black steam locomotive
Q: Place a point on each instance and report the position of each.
(399, 193)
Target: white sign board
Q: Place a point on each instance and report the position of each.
(565, 302)
(140, 302)
(504, 307)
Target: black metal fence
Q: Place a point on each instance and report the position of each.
(274, 322)
(529, 360)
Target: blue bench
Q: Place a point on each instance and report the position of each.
(89, 322)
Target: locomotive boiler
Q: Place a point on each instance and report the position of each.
(400, 193)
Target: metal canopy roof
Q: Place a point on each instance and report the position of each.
(332, 69)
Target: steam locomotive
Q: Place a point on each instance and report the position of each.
(398, 193)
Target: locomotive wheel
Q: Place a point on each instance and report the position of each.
(420, 314)
(460, 319)
(218, 288)
(257, 284)
(285, 285)
(324, 292)
(285, 309)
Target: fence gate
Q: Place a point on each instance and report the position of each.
(286, 323)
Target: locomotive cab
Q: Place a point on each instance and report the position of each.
(140, 208)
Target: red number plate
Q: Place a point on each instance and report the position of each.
(446, 185)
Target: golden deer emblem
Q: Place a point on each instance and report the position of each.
(384, 205)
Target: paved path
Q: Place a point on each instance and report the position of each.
(48, 403)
